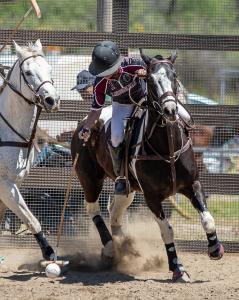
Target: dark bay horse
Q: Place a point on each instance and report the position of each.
(161, 163)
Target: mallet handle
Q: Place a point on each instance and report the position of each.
(65, 201)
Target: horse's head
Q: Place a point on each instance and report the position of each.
(162, 84)
(35, 72)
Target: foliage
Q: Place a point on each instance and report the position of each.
(178, 16)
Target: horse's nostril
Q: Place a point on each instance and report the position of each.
(166, 111)
(50, 101)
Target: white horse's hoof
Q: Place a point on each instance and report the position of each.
(181, 276)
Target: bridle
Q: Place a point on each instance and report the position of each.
(37, 98)
(156, 105)
(158, 101)
(27, 142)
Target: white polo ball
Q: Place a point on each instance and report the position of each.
(53, 270)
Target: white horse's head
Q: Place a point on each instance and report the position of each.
(36, 75)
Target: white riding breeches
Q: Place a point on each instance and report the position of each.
(120, 112)
(182, 112)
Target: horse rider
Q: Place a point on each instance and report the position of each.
(122, 79)
(115, 76)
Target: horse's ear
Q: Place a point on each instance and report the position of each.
(173, 57)
(18, 49)
(145, 58)
(38, 45)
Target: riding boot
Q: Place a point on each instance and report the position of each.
(47, 251)
(116, 154)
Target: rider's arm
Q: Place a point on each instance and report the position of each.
(97, 102)
(134, 65)
(92, 117)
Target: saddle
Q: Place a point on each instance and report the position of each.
(132, 131)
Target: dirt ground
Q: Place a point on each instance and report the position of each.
(138, 274)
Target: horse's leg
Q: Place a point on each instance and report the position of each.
(116, 210)
(91, 177)
(12, 198)
(197, 197)
(2, 211)
(179, 273)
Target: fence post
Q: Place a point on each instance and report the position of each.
(104, 15)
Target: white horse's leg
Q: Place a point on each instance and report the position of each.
(116, 210)
(13, 199)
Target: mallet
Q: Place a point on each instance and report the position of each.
(35, 7)
(62, 263)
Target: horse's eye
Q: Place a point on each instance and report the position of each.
(28, 73)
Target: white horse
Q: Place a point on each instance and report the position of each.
(28, 89)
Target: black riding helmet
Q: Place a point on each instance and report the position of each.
(106, 59)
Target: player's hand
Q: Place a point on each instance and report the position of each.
(141, 73)
(84, 134)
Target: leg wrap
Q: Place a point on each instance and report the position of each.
(104, 233)
(207, 222)
(166, 231)
(168, 238)
(47, 251)
(93, 209)
(117, 208)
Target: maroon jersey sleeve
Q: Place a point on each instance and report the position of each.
(99, 93)
(132, 64)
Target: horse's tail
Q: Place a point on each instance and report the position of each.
(178, 209)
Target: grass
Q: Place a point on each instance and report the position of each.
(223, 207)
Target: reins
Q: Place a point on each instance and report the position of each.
(173, 155)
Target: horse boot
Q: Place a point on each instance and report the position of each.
(116, 154)
(47, 251)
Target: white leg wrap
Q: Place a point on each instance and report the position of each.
(93, 209)
(117, 208)
(166, 231)
(207, 221)
(12, 198)
(108, 249)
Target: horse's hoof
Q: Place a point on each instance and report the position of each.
(48, 253)
(117, 231)
(216, 252)
(106, 262)
(181, 276)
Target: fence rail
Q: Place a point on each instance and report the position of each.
(132, 40)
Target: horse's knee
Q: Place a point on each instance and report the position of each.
(13, 199)
(92, 208)
(117, 208)
(207, 222)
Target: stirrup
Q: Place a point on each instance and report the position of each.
(120, 185)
